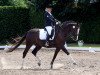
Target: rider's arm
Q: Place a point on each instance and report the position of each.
(49, 17)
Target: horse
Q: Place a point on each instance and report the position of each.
(61, 32)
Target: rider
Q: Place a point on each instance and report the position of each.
(50, 21)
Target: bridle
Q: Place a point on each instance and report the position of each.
(70, 34)
(77, 34)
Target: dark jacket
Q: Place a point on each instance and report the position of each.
(49, 19)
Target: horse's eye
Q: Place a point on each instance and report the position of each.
(73, 27)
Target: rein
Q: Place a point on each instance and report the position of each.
(61, 24)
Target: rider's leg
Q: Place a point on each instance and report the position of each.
(47, 40)
(48, 29)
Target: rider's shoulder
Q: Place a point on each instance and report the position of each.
(46, 13)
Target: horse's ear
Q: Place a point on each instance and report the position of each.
(79, 24)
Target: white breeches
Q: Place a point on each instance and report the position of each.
(49, 29)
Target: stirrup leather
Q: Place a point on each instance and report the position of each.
(47, 44)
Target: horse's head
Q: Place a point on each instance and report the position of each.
(72, 29)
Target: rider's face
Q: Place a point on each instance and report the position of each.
(49, 9)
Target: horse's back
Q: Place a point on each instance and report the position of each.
(33, 33)
(38, 33)
(34, 30)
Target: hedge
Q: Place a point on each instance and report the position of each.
(21, 3)
(37, 20)
(13, 21)
(90, 29)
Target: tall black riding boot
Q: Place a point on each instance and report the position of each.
(47, 41)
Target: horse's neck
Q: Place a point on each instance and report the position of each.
(66, 30)
(59, 31)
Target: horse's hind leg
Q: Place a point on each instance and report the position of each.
(34, 52)
(26, 50)
(28, 45)
(65, 50)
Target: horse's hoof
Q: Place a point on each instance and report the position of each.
(21, 68)
(39, 64)
(8, 51)
(51, 67)
(74, 63)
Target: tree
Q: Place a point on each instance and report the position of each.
(83, 11)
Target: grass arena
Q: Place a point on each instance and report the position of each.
(87, 63)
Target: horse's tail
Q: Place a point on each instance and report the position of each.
(19, 43)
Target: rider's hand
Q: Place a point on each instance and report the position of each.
(56, 20)
(59, 22)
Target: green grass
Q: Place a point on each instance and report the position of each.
(84, 45)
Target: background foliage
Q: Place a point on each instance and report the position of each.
(14, 19)
(13, 3)
(18, 16)
(86, 12)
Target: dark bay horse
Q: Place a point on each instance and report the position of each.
(61, 32)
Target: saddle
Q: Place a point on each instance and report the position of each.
(43, 34)
(52, 33)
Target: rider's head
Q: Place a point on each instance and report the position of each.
(48, 8)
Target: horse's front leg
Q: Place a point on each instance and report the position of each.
(55, 54)
(65, 50)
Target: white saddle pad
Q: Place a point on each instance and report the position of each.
(43, 35)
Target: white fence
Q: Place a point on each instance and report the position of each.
(91, 49)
